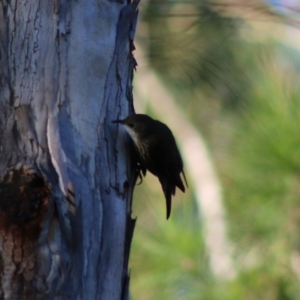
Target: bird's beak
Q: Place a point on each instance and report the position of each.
(118, 121)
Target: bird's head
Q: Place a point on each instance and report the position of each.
(137, 125)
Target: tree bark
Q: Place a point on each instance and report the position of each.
(66, 183)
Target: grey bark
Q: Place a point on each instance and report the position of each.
(66, 181)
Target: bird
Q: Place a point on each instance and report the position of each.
(157, 152)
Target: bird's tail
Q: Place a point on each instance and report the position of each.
(169, 190)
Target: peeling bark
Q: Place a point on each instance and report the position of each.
(66, 182)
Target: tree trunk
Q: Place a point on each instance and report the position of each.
(66, 181)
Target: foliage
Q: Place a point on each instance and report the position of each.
(262, 176)
(255, 142)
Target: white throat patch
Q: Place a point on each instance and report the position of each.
(132, 133)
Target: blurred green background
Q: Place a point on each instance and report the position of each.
(233, 69)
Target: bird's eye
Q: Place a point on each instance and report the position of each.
(131, 125)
